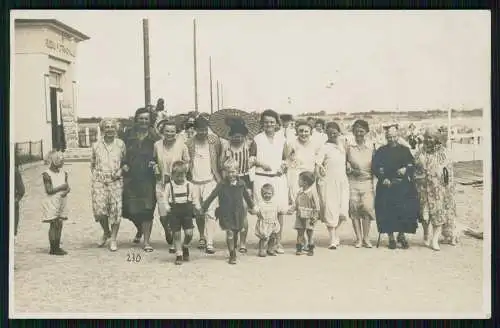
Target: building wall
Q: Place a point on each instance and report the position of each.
(38, 51)
(30, 114)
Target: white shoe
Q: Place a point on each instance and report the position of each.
(280, 250)
(113, 246)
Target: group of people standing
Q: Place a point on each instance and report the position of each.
(281, 167)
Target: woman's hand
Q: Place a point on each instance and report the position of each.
(125, 168)
(386, 182)
(265, 167)
(401, 171)
(321, 170)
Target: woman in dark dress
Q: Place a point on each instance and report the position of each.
(396, 200)
(139, 198)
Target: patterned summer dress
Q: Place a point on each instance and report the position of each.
(54, 206)
(437, 204)
(107, 190)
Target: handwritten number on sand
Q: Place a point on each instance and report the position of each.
(135, 258)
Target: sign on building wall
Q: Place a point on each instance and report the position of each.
(59, 47)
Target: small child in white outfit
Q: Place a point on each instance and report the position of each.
(267, 226)
(55, 180)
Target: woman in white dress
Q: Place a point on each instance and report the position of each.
(300, 152)
(334, 191)
(267, 152)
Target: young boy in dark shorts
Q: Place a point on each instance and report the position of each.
(180, 210)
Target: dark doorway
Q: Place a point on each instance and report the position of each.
(58, 142)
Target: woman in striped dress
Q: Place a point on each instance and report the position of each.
(107, 182)
(238, 151)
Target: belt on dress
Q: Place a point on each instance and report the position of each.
(270, 175)
(105, 176)
(201, 182)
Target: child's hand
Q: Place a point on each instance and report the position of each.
(66, 192)
(290, 211)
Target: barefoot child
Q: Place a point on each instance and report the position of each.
(307, 207)
(175, 201)
(268, 226)
(55, 180)
(231, 193)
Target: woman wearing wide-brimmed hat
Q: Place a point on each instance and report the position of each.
(238, 128)
(436, 189)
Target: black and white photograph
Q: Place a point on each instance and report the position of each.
(250, 164)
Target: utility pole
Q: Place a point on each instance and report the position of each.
(218, 96)
(195, 68)
(221, 95)
(211, 86)
(147, 77)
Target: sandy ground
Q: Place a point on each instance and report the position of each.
(347, 282)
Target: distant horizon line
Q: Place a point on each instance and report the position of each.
(378, 111)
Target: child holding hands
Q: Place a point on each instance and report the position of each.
(268, 226)
(175, 202)
(231, 193)
(55, 180)
(307, 207)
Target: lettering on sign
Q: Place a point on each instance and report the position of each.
(58, 47)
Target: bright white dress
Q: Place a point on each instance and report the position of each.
(335, 185)
(270, 152)
(54, 206)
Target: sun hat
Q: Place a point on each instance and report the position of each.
(226, 122)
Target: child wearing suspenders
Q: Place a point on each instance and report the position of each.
(178, 200)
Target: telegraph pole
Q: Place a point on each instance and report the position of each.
(221, 95)
(195, 68)
(218, 96)
(211, 87)
(147, 77)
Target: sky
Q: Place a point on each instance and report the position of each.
(290, 61)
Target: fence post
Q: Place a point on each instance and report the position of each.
(41, 149)
(30, 152)
(87, 137)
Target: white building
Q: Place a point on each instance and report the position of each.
(44, 89)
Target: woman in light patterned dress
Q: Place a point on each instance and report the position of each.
(437, 204)
(107, 158)
(54, 210)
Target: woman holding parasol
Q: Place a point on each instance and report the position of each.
(238, 128)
